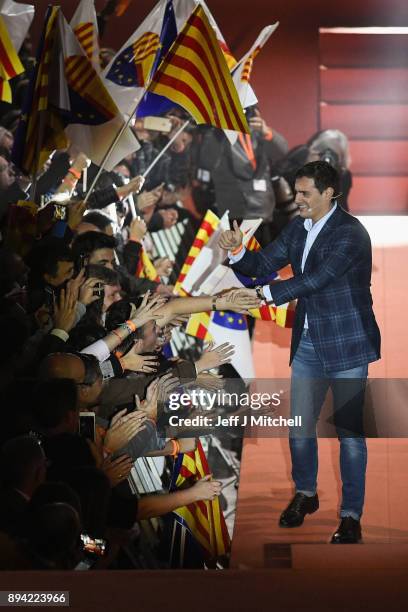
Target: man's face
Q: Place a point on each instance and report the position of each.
(112, 295)
(311, 203)
(7, 141)
(103, 257)
(7, 176)
(65, 271)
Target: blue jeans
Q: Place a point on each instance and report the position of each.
(309, 386)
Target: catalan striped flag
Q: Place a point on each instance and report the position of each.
(206, 229)
(29, 153)
(145, 267)
(85, 25)
(195, 75)
(10, 65)
(204, 520)
(248, 64)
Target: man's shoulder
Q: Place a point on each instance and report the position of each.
(346, 219)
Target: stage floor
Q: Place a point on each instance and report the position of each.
(265, 485)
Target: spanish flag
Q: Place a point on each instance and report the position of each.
(145, 268)
(10, 65)
(204, 520)
(195, 75)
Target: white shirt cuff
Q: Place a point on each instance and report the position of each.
(267, 293)
(237, 257)
(60, 333)
(99, 349)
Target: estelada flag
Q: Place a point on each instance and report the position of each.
(203, 519)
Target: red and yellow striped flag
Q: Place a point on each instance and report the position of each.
(204, 519)
(248, 64)
(198, 324)
(195, 74)
(207, 228)
(85, 26)
(10, 65)
(29, 154)
(145, 267)
(283, 315)
(85, 34)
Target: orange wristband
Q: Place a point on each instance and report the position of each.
(75, 173)
(237, 250)
(131, 325)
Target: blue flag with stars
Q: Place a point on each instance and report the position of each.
(153, 104)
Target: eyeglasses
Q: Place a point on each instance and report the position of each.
(92, 370)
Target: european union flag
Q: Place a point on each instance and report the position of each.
(133, 66)
(230, 320)
(153, 104)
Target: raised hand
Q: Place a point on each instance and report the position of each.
(231, 239)
(65, 309)
(122, 429)
(117, 469)
(87, 291)
(147, 364)
(137, 229)
(148, 310)
(213, 357)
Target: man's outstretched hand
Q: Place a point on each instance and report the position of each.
(231, 239)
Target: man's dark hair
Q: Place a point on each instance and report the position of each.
(97, 218)
(88, 242)
(53, 400)
(323, 174)
(44, 259)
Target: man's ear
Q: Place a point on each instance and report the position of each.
(330, 193)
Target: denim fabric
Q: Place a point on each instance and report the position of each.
(309, 386)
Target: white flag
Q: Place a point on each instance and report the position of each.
(18, 18)
(242, 73)
(85, 25)
(93, 138)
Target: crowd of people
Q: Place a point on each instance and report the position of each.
(85, 334)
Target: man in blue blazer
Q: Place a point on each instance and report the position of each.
(335, 334)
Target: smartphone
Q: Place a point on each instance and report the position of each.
(98, 290)
(87, 425)
(159, 124)
(95, 546)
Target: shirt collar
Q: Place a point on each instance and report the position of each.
(308, 224)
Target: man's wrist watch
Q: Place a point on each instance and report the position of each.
(259, 292)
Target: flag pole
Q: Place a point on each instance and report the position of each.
(108, 153)
(115, 142)
(164, 149)
(41, 126)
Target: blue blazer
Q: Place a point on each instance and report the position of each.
(333, 289)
